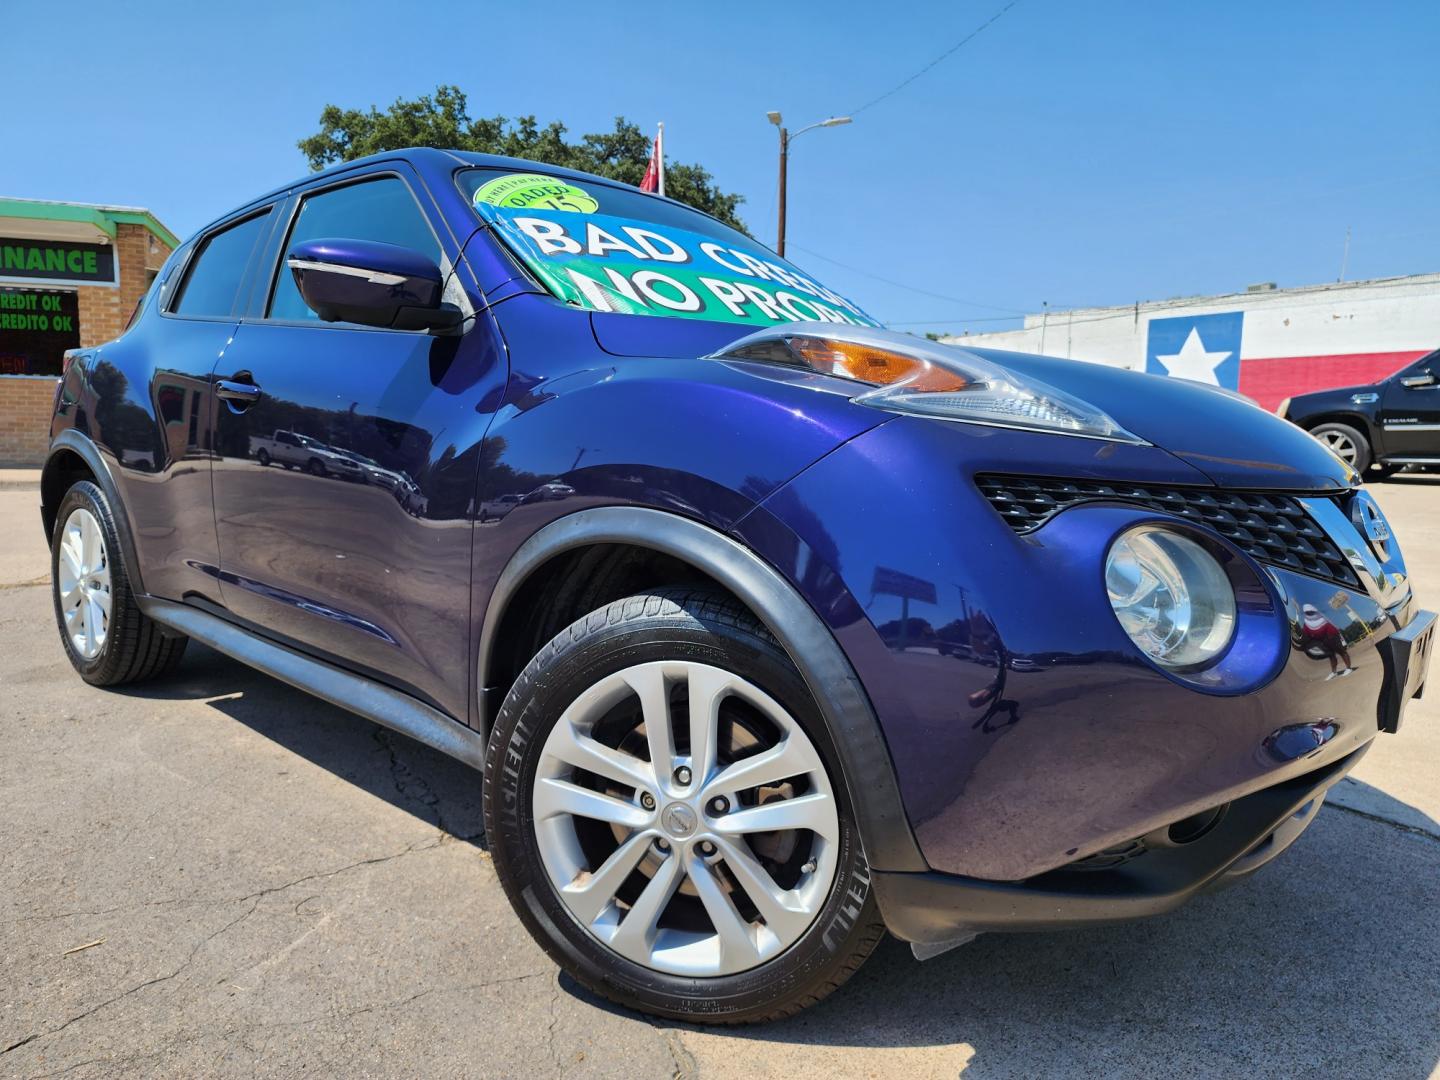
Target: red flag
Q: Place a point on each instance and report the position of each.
(654, 179)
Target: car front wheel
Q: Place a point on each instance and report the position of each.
(107, 638)
(666, 816)
(1348, 444)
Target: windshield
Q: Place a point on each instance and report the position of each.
(605, 248)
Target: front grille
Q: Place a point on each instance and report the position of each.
(1271, 528)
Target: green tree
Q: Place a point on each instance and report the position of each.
(443, 120)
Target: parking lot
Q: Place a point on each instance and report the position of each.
(219, 876)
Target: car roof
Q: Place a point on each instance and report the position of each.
(425, 158)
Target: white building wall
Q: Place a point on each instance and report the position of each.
(1363, 317)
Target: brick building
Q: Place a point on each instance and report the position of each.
(70, 275)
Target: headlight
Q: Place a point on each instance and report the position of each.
(913, 376)
(1170, 596)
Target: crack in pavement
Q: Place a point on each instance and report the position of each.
(550, 1050)
(427, 844)
(128, 1059)
(405, 779)
(685, 1065)
(22, 1042)
(419, 845)
(423, 845)
(219, 901)
(245, 1029)
(107, 911)
(1414, 830)
(413, 787)
(139, 986)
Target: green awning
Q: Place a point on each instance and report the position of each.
(104, 218)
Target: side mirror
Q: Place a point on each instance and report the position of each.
(1418, 381)
(373, 284)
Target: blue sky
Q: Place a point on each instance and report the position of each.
(1073, 153)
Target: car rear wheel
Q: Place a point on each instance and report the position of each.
(107, 638)
(665, 814)
(263, 457)
(1348, 444)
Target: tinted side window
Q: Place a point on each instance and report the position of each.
(1424, 366)
(213, 282)
(383, 210)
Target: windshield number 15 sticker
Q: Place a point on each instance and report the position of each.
(531, 191)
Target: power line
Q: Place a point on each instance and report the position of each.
(1152, 307)
(954, 322)
(1015, 312)
(943, 56)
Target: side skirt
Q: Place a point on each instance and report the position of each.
(385, 706)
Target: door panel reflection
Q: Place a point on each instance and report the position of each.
(343, 495)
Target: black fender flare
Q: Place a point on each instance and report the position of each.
(84, 447)
(869, 773)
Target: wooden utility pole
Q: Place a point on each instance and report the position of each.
(784, 158)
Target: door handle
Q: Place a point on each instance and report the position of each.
(241, 393)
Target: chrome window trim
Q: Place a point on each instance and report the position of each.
(376, 276)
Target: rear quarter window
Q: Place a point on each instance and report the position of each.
(213, 279)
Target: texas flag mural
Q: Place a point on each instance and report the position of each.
(1203, 348)
(1207, 349)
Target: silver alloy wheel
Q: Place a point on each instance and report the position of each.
(683, 822)
(1340, 444)
(83, 580)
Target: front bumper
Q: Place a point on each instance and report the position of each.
(935, 908)
(1406, 656)
(1026, 730)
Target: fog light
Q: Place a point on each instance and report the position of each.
(1170, 596)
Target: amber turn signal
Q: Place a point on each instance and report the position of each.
(869, 364)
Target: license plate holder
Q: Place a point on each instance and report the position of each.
(1406, 656)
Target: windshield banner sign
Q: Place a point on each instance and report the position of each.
(605, 263)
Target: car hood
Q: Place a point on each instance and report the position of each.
(1228, 438)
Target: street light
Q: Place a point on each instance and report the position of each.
(785, 138)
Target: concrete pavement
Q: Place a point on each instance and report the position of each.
(268, 886)
(19, 479)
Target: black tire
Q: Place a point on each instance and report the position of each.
(135, 648)
(263, 457)
(686, 624)
(315, 467)
(1341, 434)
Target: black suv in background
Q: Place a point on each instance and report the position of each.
(1388, 425)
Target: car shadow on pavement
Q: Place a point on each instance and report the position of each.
(1325, 963)
(410, 776)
